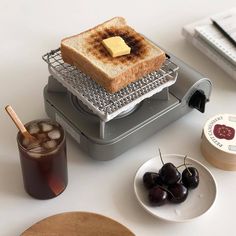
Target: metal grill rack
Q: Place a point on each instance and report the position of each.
(104, 104)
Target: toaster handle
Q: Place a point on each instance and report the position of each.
(198, 100)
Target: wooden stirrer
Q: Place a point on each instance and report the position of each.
(19, 124)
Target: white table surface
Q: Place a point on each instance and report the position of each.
(31, 28)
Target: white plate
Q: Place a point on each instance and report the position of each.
(198, 202)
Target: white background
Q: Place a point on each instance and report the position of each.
(28, 29)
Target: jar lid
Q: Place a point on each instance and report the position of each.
(218, 144)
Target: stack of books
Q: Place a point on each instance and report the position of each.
(215, 36)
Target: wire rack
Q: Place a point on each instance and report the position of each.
(104, 104)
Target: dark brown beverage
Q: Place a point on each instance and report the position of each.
(43, 162)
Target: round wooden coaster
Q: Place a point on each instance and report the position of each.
(77, 224)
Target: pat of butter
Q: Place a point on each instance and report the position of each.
(116, 46)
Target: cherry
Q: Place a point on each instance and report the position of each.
(167, 184)
(177, 193)
(151, 179)
(190, 177)
(169, 174)
(157, 196)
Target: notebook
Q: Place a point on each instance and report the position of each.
(216, 39)
(226, 23)
(223, 56)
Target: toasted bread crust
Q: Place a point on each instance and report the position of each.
(136, 65)
(121, 19)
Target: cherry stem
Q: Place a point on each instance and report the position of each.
(186, 165)
(183, 165)
(161, 156)
(165, 189)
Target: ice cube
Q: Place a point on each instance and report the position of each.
(37, 152)
(33, 129)
(54, 134)
(33, 145)
(38, 149)
(50, 144)
(42, 136)
(46, 127)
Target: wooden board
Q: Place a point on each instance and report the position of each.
(77, 224)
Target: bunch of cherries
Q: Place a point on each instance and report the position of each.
(169, 184)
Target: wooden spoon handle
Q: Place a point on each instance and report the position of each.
(16, 119)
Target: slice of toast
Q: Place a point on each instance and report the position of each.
(86, 52)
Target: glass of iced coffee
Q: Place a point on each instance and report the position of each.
(43, 161)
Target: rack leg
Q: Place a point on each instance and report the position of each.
(163, 95)
(102, 129)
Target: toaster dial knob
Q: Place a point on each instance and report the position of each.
(198, 101)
